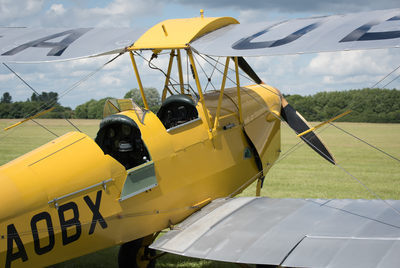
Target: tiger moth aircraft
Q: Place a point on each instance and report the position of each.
(182, 167)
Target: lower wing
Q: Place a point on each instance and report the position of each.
(291, 232)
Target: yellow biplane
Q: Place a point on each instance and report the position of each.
(145, 172)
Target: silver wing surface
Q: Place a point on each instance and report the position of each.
(57, 44)
(365, 30)
(291, 232)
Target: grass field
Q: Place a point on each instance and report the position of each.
(299, 174)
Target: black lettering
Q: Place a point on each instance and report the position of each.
(95, 208)
(35, 232)
(12, 235)
(65, 224)
(362, 33)
(58, 48)
(245, 43)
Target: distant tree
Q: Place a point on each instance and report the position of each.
(6, 98)
(47, 98)
(92, 109)
(152, 96)
(34, 97)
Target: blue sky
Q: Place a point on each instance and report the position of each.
(297, 74)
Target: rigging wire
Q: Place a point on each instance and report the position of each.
(382, 151)
(357, 180)
(85, 78)
(338, 165)
(373, 146)
(69, 121)
(44, 127)
(11, 70)
(243, 89)
(335, 125)
(35, 92)
(66, 91)
(391, 81)
(297, 146)
(204, 72)
(386, 77)
(155, 67)
(242, 75)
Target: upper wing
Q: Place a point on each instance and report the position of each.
(56, 44)
(366, 30)
(291, 232)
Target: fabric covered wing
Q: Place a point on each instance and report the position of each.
(366, 30)
(291, 232)
(57, 44)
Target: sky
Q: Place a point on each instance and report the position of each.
(292, 74)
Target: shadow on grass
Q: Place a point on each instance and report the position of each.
(109, 258)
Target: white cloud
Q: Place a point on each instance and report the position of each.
(56, 10)
(252, 15)
(290, 6)
(117, 13)
(6, 77)
(350, 63)
(18, 9)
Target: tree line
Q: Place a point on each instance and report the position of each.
(33, 105)
(92, 109)
(367, 105)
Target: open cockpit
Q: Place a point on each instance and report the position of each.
(120, 137)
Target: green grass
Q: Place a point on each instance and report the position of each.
(300, 174)
(29, 135)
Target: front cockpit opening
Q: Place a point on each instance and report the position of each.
(120, 137)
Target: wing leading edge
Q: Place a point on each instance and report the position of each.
(356, 31)
(291, 232)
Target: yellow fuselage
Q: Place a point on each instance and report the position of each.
(63, 199)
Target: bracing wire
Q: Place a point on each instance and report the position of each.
(356, 179)
(377, 83)
(36, 122)
(296, 146)
(35, 92)
(343, 129)
(205, 74)
(338, 165)
(20, 78)
(363, 141)
(65, 92)
(242, 75)
(72, 124)
(391, 81)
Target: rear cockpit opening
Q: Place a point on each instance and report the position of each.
(177, 110)
(120, 137)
